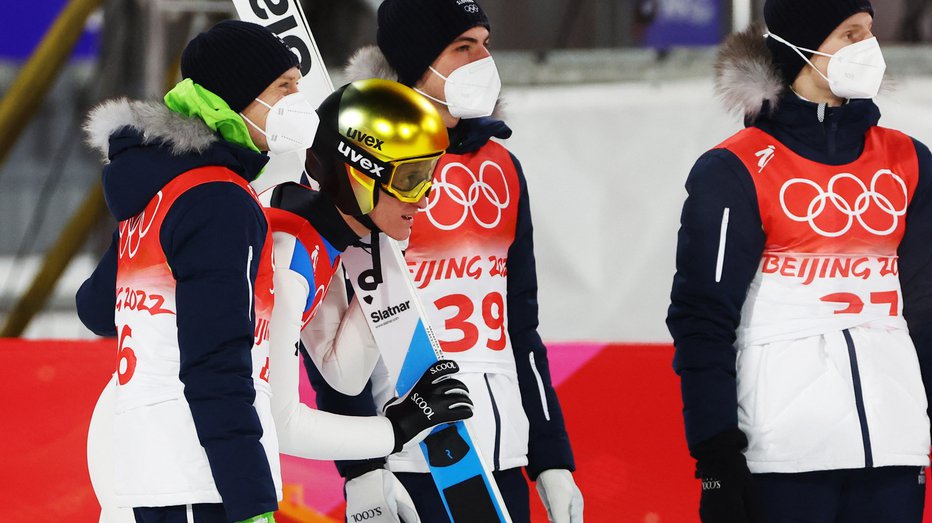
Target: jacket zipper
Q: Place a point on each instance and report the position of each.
(721, 246)
(496, 455)
(248, 281)
(859, 400)
(540, 387)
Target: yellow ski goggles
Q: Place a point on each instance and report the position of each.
(412, 178)
(407, 180)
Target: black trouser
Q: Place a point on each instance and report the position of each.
(201, 513)
(430, 508)
(878, 495)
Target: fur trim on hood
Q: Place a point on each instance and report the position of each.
(153, 120)
(369, 62)
(745, 75)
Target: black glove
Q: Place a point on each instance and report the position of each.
(728, 491)
(435, 399)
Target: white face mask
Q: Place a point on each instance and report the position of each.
(471, 90)
(291, 124)
(854, 71)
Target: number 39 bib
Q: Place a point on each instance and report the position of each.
(458, 252)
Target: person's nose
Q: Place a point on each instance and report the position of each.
(481, 51)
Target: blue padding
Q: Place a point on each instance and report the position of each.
(332, 252)
(301, 264)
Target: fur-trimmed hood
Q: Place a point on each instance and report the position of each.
(369, 62)
(145, 145)
(153, 120)
(747, 81)
(746, 78)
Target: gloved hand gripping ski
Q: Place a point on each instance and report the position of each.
(435, 399)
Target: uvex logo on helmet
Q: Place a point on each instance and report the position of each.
(359, 161)
(365, 139)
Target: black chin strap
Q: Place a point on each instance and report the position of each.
(370, 279)
(376, 258)
(368, 223)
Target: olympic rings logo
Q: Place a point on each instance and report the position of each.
(467, 198)
(132, 230)
(869, 197)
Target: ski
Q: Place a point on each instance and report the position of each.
(399, 325)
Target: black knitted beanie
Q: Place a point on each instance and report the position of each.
(236, 61)
(805, 23)
(413, 33)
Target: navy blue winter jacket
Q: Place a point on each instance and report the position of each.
(205, 237)
(704, 315)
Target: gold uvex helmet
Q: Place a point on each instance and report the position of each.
(376, 133)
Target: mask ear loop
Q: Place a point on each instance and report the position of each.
(429, 96)
(250, 122)
(799, 51)
(437, 73)
(254, 126)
